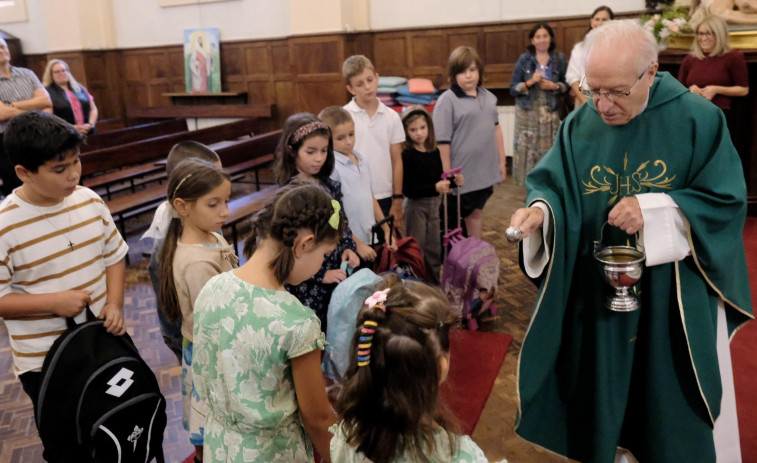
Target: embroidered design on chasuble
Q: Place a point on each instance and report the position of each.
(651, 174)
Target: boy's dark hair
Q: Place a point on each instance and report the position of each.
(460, 59)
(285, 166)
(388, 405)
(415, 112)
(186, 150)
(297, 206)
(34, 137)
(191, 179)
(355, 65)
(532, 33)
(335, 116)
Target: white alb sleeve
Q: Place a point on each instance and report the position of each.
(664, 235)
(536, 249)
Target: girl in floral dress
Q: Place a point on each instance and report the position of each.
(305, 153)
(257, 348)
(192, 253)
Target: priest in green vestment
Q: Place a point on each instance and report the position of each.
(649, 164)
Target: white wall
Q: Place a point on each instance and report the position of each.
(391, 14)
(142, 23)
(32, 33)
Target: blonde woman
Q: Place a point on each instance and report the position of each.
(71, 101)
(712, 70)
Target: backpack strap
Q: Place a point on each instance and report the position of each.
(70, 322)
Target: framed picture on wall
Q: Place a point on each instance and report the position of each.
(12, 11)
(202, 60)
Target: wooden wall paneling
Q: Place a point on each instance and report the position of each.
(34, 62)
(425, 59)
(463, 36)
(316, 93)
(281, 62)
(573, 33)
(317, 71)
(391, 53)
(503, 46)
(359, 43)
(176, 74)
(317, 55)
(285, 105)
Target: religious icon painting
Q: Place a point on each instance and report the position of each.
(202, 60)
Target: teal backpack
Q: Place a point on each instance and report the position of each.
(346, 300)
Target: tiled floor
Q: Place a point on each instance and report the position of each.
(494, 432)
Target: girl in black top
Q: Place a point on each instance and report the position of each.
(422, 184)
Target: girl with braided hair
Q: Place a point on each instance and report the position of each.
(399, 358)
(257, 348)
(192, 253)
(305, 153)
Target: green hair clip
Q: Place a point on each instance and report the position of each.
(334, 219)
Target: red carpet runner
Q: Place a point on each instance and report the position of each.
(475, 359)
(743, 348)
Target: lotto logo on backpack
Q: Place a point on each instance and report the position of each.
(99, 401)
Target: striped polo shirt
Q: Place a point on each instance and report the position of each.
(19, 86)
(49, 250)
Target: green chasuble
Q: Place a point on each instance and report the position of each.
(589, 379)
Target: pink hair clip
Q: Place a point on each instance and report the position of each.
(377, 299)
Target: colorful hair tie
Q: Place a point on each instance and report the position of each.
(334, 219)
(364, 343)
(306, 130)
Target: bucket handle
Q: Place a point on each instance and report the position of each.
(598, 244)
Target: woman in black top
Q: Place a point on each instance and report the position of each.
(71, 101)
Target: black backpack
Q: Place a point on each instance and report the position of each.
(98, 400)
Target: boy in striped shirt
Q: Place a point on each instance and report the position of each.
(59, 247)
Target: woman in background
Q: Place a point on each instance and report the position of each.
(71, 101)
(712, 69)
(537, 83)
(577, 57)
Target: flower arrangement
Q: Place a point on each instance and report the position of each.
(670, 22)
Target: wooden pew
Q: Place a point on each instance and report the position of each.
(133, 134)
(250, 154)
(242, 208)
(241, 156)
(156, 148)
(199, 111)
(107, 125)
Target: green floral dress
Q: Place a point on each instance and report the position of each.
(467, 450)
(244, 339)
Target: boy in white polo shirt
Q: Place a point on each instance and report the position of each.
(354, 176)
(378, 132)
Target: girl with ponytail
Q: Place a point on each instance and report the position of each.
(390, 404)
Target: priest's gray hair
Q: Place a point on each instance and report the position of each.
(628, 35)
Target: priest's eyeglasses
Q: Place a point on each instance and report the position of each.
(611, 95)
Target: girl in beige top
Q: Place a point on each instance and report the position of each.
(192, 253)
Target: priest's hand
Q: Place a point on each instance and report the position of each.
(626, 215)
(527, 220)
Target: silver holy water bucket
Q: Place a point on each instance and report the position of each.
(621, 267)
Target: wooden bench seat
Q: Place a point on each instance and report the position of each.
(242, 208)
(155, 148)
(133, 134)
(128, 175)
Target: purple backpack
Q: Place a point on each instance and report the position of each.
(472, 265)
